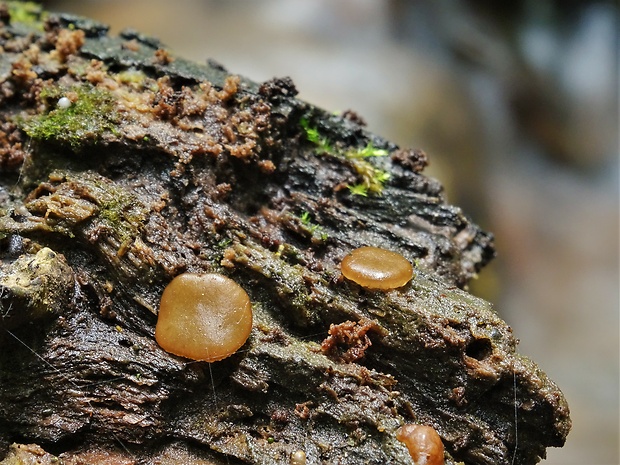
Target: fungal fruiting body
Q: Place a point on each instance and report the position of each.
(298, 457)
(203, 317)
(376, 268)
(64, 103)
(423, 442)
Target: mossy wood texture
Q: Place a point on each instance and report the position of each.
(161, 166)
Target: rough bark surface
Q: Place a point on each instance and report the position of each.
(156, 166)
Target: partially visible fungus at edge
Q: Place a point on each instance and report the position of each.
(376, 268)
(423, 442)
(205, 317)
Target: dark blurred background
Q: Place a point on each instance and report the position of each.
(516, 104)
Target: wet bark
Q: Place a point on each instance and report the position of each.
(157, 166)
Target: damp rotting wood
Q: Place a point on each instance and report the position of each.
(123, 166)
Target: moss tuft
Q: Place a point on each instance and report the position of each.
(314, 229)
(124, 214)
(313, 135)
(29, 13)
(373, 179)
(90, 115)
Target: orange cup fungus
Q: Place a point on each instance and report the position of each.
(204, 317)
(376, 268)
(423, 442)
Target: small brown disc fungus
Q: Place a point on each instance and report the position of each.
(423, 442)
(203, 317)
(376, 268)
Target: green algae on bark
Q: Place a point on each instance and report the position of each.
(189, 168)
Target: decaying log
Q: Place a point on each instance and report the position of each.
(122, 166)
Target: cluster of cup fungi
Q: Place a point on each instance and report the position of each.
(208, 317)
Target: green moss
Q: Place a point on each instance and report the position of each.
(313, 135)
(117, 208)
(224, 243)
(132, 77)
(313, 228)
(305, 218)
(124, 214)
(358, 189)
(372, 178)
(366, 152)
(29, 13)
(90, 116)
